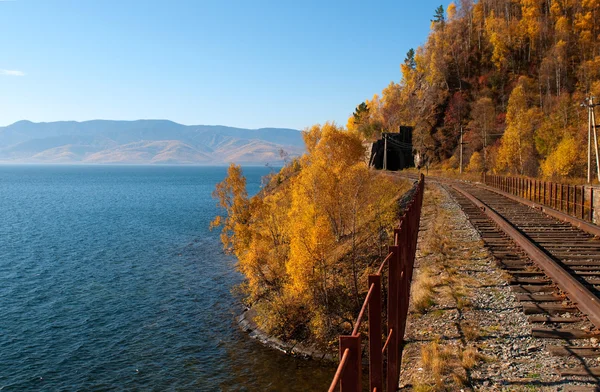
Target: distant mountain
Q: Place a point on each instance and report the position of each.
(144, 141)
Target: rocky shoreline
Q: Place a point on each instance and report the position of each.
(293, 348)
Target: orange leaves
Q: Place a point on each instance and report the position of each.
(516, 152)
(232, 196)
(297, 242)
(530, 20)
(475, 163)
(566, 160)
(499, 37)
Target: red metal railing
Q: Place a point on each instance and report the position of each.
(400, 262)
(574, 200)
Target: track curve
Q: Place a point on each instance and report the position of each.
(554, 269)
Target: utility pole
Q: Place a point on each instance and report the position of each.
(384, 152)
(595, 136)
(484, 150)
(589, 171)
(461, 150)
(589, 103)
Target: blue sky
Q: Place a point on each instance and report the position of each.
(249, 64)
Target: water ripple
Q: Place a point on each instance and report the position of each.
(110, 280)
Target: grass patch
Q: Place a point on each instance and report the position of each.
(443, 367)
(471, 332)
(471, 358)
(422, 291)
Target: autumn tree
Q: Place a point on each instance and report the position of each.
(566, 160)
(484, 50)
(516, 153)
(304, 243)
(482, 124)
(438, 17)
(233, 198)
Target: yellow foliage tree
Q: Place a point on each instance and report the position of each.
(516, 152)
(566, 160)
(302, 241)
(475, 163)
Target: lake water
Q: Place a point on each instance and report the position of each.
(111, 280)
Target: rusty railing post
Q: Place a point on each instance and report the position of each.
(375, 355)
(522, 186)
(351, 377)
(393, 293)
(561, 198)
(405, 253)
(582, 202)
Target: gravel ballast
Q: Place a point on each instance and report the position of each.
(474, 322)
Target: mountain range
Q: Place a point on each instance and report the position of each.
(143, 142)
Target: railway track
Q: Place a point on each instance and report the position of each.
(554, 272)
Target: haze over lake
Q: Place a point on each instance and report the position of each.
(111, 280)
(144, 142)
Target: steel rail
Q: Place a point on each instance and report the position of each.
(583, 298)
(576, 222)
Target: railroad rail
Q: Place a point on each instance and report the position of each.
(574, 200)
(399, 262)
(554, 265)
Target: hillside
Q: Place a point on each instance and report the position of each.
(511, 74)
(306, 243)
(144, 141)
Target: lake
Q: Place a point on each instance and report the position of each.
(111, 280)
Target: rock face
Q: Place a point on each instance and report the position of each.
(144, 141)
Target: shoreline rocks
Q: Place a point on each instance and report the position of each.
(292, 348)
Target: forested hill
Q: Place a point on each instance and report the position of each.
(511, 73)
(144, 141)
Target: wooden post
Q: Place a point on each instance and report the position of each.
(375, 355)
(589, 166)
(351, 377)
(461, 150)
(591, 204)
(595, 137)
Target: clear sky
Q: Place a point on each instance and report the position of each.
(249, 64)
